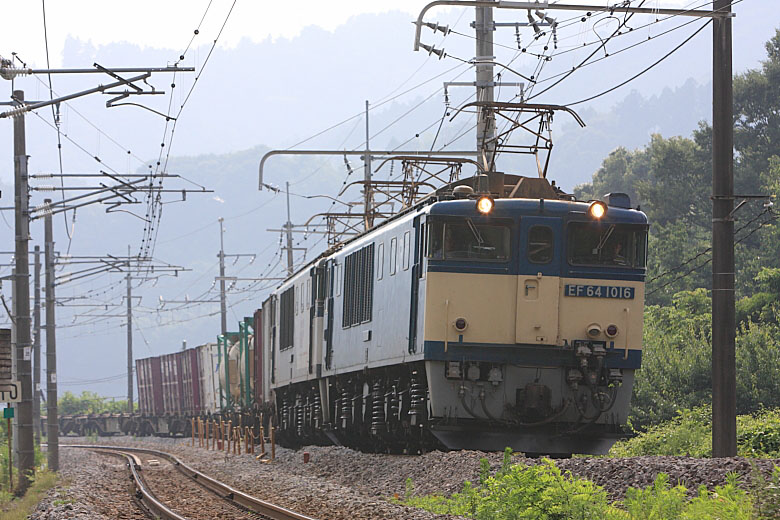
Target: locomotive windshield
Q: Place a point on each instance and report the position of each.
(618, 245)
(467, 240)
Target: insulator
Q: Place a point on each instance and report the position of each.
(444, 29)
(377, 408)
(44, 187)
(433, 50)
(417, 395)
(43, 176)
(15, 112)
(9, 72)
(44, 208)
(346, 409)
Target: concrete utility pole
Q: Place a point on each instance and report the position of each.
(289, 228)
(129, 279)
(52, 426)
(37, 348)
(486, 119)
(222, 295)
(724, 405)
(367, 187)
(26, 454)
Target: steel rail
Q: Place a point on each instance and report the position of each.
(221, 489)
(153, 506)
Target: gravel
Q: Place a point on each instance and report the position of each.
(339, 483)
(94, 487)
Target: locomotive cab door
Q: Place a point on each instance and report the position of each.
(538, 284)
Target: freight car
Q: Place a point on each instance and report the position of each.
(465, 322)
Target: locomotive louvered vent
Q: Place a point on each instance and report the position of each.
(286, 319)
(358, 286)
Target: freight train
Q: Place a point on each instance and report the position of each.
(471, 320)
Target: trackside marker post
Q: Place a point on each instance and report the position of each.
(8, 413)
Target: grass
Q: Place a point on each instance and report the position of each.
(19, 509)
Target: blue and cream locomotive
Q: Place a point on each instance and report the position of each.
(465, 322)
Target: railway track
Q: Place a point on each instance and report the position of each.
(171, 490)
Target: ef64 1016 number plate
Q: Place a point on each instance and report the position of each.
(600, 291)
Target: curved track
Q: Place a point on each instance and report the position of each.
(176, 498)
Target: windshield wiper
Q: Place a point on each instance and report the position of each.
(475, 231)
(604, 238)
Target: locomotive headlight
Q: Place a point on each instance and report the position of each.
(485, 204)
(597, 209)
(594, 329)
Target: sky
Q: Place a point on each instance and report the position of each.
(170, 23)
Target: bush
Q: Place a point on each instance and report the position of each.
(690, 433)
(523, 492)
(676, 368)
(543, 492)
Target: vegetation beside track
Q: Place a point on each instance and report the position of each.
(544, 492)
(690, 434)
(19, 508)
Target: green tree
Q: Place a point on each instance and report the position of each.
(676, 368)
(87, 403)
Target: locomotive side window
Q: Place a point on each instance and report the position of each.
(461, 240)
(613, 245)
(286, 321)
(407, 251)
(380, 256)
(393, 251)
(540, 245)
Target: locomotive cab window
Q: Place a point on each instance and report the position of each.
(540, 245)
(465, 240)
(608, 245)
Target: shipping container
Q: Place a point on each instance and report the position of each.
(149, 378)
(171, 384)
(190, 379)
(209, 378)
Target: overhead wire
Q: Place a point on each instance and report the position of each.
(55, 119)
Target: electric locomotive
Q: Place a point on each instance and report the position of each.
(465, 322)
